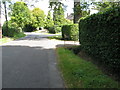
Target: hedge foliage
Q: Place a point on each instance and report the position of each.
(99, 36)
(13, 29)
(29, 28)
(54, 29)
(70, 32)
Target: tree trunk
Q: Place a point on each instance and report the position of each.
(6, 15)
(77, 11)
(0, 24)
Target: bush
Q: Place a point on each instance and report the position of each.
(70, 32)
(54, 29)
(50, 29)
(13, 29)
(66, 21)
(99, 36)
(57, 29)
(29, 28)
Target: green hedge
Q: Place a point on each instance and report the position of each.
(99, 36)
(54, 29)
(70, 32)
(13, 29)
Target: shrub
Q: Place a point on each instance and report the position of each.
(50, 29)
(13, 29)
(57, 29)
(99, 36)
(29, 28)
(54, 29)
(70, 32)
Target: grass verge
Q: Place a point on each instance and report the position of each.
(55, 37)
(79, 73)
(7, 39)
(17, 36)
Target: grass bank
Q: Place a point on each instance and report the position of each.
(79, 73)
(7, 39)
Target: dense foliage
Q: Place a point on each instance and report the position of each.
(70, 32)
(99, 36)
(13, 29)
(20, 14)
(29, 28)
(49, 21)
(58, 12)
(38, 18)
(102, 6)
(58, 15)
(54, 29)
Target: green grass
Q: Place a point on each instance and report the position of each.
(55, 37)
(5, 40)
(8, 39)
(79, 73)
(19, 36)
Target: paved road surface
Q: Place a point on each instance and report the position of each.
(30, 62)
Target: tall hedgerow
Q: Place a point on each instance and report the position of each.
(99, 37)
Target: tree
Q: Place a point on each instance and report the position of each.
(20, 14)
(38, 17)
(105, 4)
(5, 14)
(85, 8)
(77, 11)
(81, 9)
(49, 20)
(58, 12)
(5, 8)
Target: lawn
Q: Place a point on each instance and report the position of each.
(79, 73)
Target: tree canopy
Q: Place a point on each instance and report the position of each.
(38, 17)
(20, 14)
(49, 21)
(102, 6)
(58, 12)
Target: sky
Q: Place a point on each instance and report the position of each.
(44, 4)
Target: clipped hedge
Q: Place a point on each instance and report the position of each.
(99, 36)
(54, 29)
(70, 32)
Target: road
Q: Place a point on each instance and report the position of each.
(31, 62)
